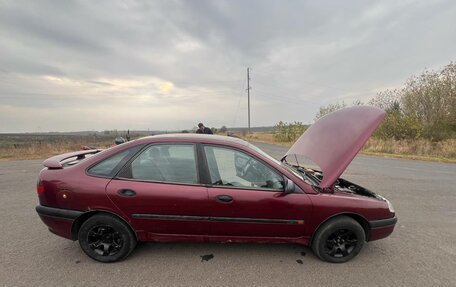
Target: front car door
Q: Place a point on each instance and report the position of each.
(247, 197)
(160, 191)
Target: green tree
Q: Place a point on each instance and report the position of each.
(397, 125)
(424, 107)
(288, 132)
(431, 98)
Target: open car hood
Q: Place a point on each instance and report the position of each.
(334, 140)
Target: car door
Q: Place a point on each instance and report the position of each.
(160, 191)
(247, 197)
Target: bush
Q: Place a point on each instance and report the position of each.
(288, 132)
(424, 108)
(398, 126)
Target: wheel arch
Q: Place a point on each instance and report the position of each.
(358, 218)
(86, 215)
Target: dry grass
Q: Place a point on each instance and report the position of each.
(444, 151)
(265, 138)
(416, 149)
(18, 148)
(37, 151)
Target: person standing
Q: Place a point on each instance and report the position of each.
(203, 130)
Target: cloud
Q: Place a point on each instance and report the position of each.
(78, 65)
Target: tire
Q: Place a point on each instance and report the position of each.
(338, 240)
(106, 238)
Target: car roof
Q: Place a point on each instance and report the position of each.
(202, 138)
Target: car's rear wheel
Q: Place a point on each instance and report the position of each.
(339, 240)
(106, 238)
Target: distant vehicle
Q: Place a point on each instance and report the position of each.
(189, 187)
(119, 140)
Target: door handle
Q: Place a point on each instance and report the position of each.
(126, 192)
(224, 198)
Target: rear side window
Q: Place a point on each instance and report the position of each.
(109, 166)
(165, 163)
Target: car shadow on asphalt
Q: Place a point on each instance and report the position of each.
(212, 252)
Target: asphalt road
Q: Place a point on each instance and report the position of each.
(421, 251)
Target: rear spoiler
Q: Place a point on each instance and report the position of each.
(55, 162)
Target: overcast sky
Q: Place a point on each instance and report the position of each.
(96, 65)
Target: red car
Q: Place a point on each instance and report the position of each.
(219, 189)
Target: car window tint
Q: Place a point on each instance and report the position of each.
(106, 167)
(229, 167)
(169, 163)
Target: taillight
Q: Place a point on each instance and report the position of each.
(39, 187)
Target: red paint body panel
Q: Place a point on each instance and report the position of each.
(259, 204)
(368, 209)
(164, 199)
(381, 232)
(61, 227)
(71, 188)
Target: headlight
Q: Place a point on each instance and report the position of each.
(390, 206)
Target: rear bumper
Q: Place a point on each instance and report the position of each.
(381, 228)
(59, 221)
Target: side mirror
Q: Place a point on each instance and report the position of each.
(289, 186)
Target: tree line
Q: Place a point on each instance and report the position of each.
(425, 107)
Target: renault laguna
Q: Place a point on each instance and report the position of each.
(204, 188)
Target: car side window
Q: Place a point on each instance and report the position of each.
(230, 167)
(165, 163)
(108, 166)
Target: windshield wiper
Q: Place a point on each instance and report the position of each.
(306, 176)
(315, 180)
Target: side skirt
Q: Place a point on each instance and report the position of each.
(156, 237)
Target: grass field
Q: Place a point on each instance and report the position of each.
(40, 146)
(443, 151)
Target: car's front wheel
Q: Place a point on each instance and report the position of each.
(106, 238)
(338, 240)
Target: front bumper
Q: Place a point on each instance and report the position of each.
(381, 228)
(59, 221)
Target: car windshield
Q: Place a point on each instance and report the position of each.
(300, 172)
(257, 149)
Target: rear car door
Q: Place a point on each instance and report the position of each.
(247, 197)
(160, 191)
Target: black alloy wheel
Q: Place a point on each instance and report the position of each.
(106, 238)
(341, 243)
(338, 240)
